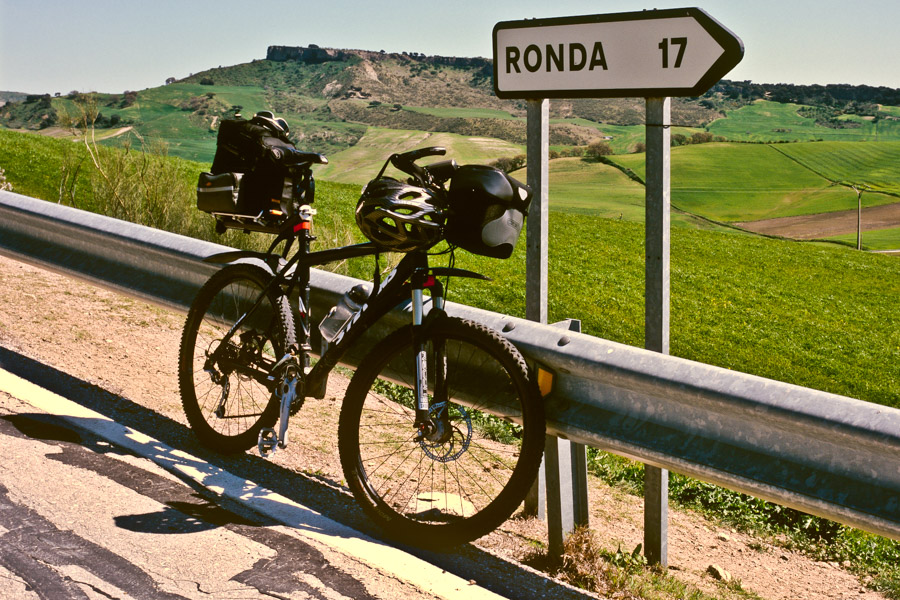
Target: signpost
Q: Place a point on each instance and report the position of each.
(652, 54)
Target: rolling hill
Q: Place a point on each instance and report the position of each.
(359, 106)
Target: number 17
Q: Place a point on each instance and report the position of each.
(681, 42)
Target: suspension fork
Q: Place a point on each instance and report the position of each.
(428, 424)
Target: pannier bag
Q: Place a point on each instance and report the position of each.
(218, 193)
(487, 210)
(248, 180)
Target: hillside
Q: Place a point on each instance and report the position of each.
(331, 97)
(358, 106)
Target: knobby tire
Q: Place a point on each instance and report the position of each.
(457, 489)
(245, 404)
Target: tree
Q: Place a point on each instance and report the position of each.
(597, 149)
(509, 164)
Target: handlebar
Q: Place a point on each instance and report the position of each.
(406, 161)
(291, 157)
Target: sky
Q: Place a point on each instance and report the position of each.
(49, 46)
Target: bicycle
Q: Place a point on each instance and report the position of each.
(441, 430)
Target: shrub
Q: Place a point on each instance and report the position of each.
(509, 163)
(597, 149)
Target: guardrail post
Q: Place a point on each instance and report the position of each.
(656, 307)
(565, 470)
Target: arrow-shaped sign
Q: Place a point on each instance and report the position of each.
(656, 53)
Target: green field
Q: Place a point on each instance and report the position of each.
(584, 187)
(872, 165)
(461, 113)
(186, 115)
(748, 182)
(623, 137)
(361, 163)
(879, 239)
(722, 182)
(766, 121)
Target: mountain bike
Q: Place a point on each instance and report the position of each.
(441, 430)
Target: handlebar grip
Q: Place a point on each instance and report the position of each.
(414, 155)
(406, 161)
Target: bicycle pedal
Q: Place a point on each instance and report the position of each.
(268, 442)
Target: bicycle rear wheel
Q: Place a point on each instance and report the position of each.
(460, 485)
(227, 400)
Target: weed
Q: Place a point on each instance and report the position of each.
(5, 186)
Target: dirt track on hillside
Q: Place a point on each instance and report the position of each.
(808, 227)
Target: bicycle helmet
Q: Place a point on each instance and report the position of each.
(399, 216)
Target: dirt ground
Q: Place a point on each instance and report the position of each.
(130, 348)
(825, 225)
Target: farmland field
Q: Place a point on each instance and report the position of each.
(879, 239)
(590, 188)
(361, 163)
(461, 113)
(873, 165)
(765, 121)
(748, 182)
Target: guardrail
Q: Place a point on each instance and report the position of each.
(825, 454)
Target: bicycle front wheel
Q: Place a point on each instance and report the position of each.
(470, 474)
(224, 391)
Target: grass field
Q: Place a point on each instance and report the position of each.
(461, 113)
(873, 165)
(879, 239)
(361, 163)
(765, 121)
(589, 188)
(747, 182)
(624, 137)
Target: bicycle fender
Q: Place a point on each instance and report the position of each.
(224, 258)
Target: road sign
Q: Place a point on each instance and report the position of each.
(655, 53)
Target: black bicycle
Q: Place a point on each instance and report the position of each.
(442, 428)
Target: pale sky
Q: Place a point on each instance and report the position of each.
(49, 46)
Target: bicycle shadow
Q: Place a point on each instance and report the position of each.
(315, 505)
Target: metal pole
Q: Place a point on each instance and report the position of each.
(565, 469)
(538, 151)
(536, 249)
(858, 218)
(656, 307)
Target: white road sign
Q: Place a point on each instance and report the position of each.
(676, 52)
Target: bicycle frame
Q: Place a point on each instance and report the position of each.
(407, 281)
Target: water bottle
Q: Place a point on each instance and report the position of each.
(338, 317)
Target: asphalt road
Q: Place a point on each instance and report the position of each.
(94, 508)
(83, 517)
